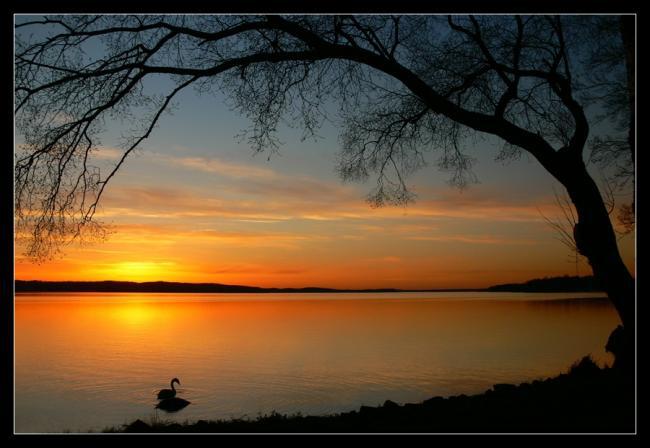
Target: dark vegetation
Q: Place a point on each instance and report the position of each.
(117, 286)
(587, 399)
(554, 284)
(162, 287)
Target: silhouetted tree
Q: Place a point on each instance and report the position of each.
(405, 84)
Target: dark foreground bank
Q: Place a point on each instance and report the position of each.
(587, 399)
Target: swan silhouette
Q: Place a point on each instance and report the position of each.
(168, 393)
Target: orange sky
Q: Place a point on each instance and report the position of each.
(247, 221)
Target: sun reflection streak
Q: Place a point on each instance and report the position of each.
(134, 314)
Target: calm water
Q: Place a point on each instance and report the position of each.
(88, 361)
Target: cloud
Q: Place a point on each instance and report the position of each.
(183, 202)
(473, 239)
(251, 193)
(108, 153)
(217, 166)
(387, 259)
(157, 235)
(187, 202)
(256, 180)
(256, 269)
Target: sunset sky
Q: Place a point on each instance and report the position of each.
(196, 205)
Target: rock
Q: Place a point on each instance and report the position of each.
(367, 410)
(138, 426)
(433, 402)
(388, 404)
(504, 388)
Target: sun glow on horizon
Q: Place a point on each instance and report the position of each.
(136, 271)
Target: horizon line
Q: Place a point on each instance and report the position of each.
(251, 286)
(170, 285)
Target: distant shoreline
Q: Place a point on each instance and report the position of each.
(173, 287)
(549, 285)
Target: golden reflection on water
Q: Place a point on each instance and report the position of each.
(101, 357)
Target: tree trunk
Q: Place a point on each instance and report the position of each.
(596, 240)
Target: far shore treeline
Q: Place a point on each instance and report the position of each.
(548, 284)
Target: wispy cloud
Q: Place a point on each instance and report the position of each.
(257, 180)
(185, 202)
(218, 166)
(243, 268)
(157, 235)
(164, 204)
(249, 192)
(473, 239)
(387, 259)
(107, 153)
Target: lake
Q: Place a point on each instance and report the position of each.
(87, 361)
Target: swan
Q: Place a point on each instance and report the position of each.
(168, 393)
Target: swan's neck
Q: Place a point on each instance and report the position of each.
(172, 383)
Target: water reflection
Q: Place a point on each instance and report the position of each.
(90, 361)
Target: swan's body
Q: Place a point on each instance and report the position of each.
(168, 393)
(172, 404)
